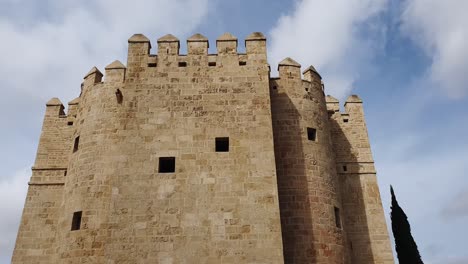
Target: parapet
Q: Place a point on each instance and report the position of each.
(54, 108)
(226, 44)
(310, 72)
(93, 76)
(289, 68)
(115, 72)
(197, 45)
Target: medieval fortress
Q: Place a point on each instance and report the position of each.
(203, 158)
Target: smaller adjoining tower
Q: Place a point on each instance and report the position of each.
(308, 186)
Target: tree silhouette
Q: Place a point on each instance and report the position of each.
(406, 248)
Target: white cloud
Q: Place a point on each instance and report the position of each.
(330, 35)
(441, 29)
(12, 194)
(50, 57)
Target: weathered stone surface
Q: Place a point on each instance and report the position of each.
(273, 197)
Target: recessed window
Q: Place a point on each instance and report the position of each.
(182, 64)
(242, 63)
(337, 217)
(307, 89)
(346, 120)
(76, 221)
(212, 63)
(345, 168)
(76, 144)
(222, 144)
(311, 134)
(152, 65)
(65, 173)
(166, 164)
(70, 123)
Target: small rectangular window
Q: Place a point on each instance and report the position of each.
(152, 65)
(222, 144)
(65, 173)
(166, 164)
(337, 217)
(182, 64)
(76, 221)
(346, 120)
(212, 63)
(311, 134)
(76, 144)
(242, 63)
(345, 168)
(70, 123)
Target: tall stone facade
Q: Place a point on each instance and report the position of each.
(203, 158)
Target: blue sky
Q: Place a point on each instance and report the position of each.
(407, 59)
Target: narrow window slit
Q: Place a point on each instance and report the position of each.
(345, 168)
(337, 217)
(242, 63)
(346, 120)
(70, 123)
(212, 63)
(152, 65)
(76, 144)
(76, 221)
(65, 173)
(182, 64)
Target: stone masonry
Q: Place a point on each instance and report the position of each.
(203, 158)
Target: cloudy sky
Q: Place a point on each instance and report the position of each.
(408, 60)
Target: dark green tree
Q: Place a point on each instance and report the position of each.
(406, 248)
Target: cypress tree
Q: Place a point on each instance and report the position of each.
(406, 248)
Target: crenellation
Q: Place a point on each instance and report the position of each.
(115, 72)
(226, 44)
(92, 77)
(176, 157)
(197, 45)
(289, 69)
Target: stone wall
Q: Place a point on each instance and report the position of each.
(36, 240)
(307, 180)
(364, 221)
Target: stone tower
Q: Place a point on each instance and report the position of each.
(203, 158)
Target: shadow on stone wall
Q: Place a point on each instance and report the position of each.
(353, 186)
(295, 208)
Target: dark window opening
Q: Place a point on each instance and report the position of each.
(70, 123)
(311, 134)
(119, 96)
(345, 168)
(242, 63)
(337, 217)
(182, 64)
(76, 144)
(222, 144)
(307, 89)
(76, 221)
(212, 63)
(166, 164)
(65, 173)
(152, 65)
(345, 120)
